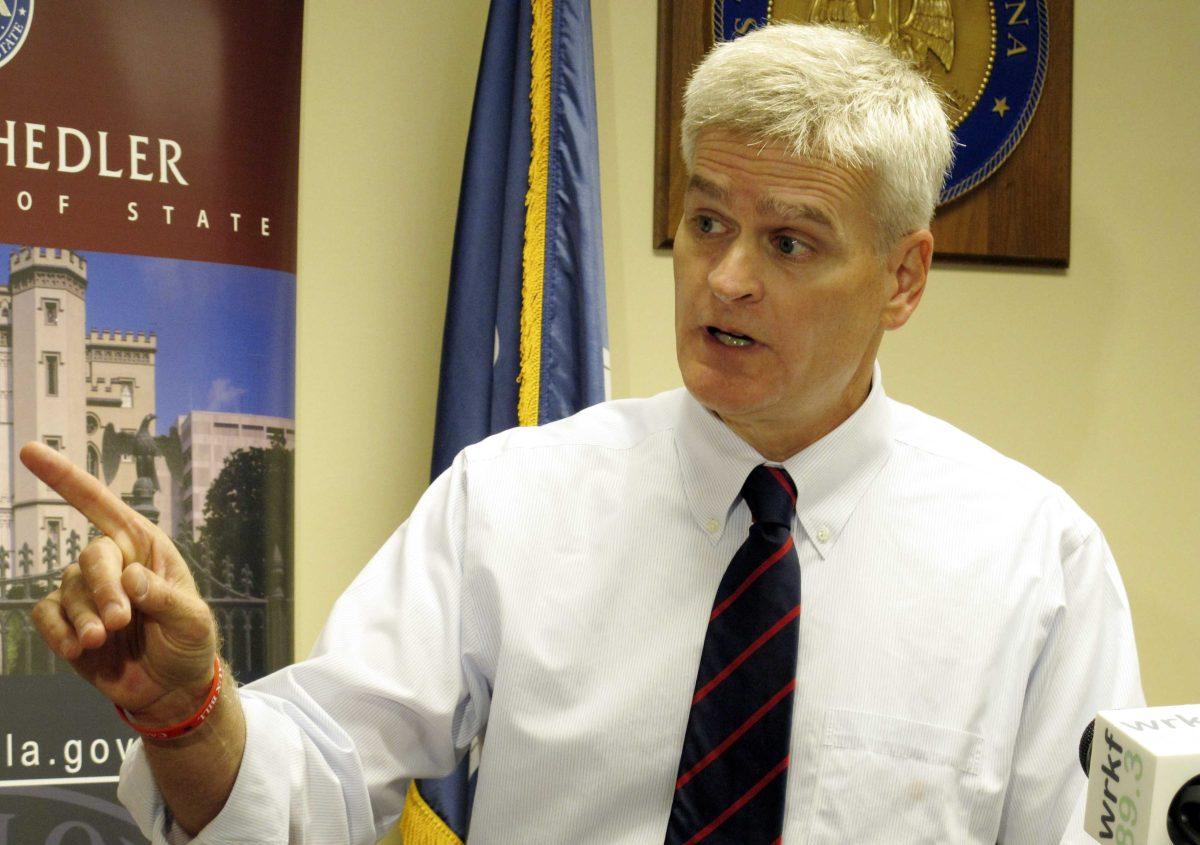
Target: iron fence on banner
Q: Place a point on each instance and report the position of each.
(255, 630)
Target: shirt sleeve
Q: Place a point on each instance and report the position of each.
(387, 695)
(1088, 663)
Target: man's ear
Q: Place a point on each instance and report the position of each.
(907, 268)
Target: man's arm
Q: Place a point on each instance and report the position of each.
(320, 751)
(1089, 663)
(129, 619)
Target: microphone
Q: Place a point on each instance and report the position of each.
(1143, 769)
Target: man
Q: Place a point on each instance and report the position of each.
(570, 591)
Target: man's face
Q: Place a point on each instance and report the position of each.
(781, 296)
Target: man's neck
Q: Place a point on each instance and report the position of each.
(777, 439)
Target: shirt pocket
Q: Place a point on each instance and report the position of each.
(884, 779)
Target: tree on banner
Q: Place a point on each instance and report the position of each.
(525, 339)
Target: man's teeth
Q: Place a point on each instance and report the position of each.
(731, 339)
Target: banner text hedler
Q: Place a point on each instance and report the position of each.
(68, 150)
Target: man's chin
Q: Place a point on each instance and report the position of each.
(720, 399)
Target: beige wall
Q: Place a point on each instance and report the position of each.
(385, 105)
(1088, 375)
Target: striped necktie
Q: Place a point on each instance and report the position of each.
(733, 767)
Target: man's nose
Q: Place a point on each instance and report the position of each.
(736, 276)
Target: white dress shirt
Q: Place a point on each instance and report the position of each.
(962, 622)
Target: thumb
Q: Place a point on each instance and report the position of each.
(173, 606)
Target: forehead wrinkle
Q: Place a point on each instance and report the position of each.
(707, 186)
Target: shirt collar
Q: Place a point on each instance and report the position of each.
(831, 475)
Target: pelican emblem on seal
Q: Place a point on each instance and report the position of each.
(929, 27)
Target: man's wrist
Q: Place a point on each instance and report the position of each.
(181, 710)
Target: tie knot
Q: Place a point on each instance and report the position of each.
(770, 494)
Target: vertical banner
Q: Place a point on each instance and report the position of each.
(148, 175)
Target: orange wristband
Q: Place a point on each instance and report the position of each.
(187, 725)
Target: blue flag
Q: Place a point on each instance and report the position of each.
(525, 340)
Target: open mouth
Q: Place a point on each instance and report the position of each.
(729, 338)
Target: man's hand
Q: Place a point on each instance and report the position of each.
(128, 618)
(127, 614)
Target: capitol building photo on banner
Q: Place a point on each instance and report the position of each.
(92, 394)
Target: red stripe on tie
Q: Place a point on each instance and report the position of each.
(741, 658)
(751, 578)
(733, 737)
(780, 767)
(783, 482)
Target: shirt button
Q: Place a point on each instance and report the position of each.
(822, 533)
(712, 526)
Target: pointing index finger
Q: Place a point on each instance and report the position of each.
(87, 495)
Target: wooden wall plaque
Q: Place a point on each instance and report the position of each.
(1020, 214)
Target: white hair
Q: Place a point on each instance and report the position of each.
(834, 95)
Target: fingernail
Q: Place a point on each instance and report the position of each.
(91, 627)
(140, 585)
(112, 612)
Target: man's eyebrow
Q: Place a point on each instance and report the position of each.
(770, 206)
(705, 186)
(765, 206)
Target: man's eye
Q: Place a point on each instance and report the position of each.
(706, 224)
(789, 246)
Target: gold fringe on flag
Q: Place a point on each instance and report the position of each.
(534, 254)
(420, 825)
